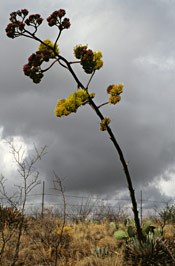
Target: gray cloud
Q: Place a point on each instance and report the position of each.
(137, 40)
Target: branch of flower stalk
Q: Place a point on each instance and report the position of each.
(60, 58)
(23, 34)
(35, 27)
(74, 62)
(46, 69)
(59, 61)
(90, 80)
(79, 84)
(32, 36)
(102, 105)
(57, 39)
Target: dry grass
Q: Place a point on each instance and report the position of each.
(83, 244)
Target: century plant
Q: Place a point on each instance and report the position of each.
(24, 25)
(153, 251)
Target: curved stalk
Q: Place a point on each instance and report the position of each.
(103, 104)
(46, 69)
(126, 171)
(121, 156)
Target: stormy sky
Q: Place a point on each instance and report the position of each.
(137, 39)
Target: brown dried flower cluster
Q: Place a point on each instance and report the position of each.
(18, 21)
(33, 67)
(55, 19)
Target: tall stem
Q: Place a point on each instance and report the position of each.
(126, 171)
(121, 156)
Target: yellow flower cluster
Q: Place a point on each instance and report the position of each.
(104, 123)
(97, 55)
(79, 50)
(45, 48)
(115, 90)
(72, 103)
(90, 60)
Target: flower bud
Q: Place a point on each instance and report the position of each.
(39, 20)
(104, 123)
(61, 13)
(115, 90)
(19, 13)
(66, 23)
(26, 69)
(114, 99)
(25, 12)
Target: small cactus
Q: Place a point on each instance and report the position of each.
(100, 251)
(120, 235)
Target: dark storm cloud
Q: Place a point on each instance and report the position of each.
(137, 40)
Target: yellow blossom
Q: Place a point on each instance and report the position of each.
(92, 94)
(90, 60)
(115, 90)
(97, 55)
(60, 109)
(72, 103)
(79, 50)
(104, 123)
(82, 94)
(45, 48)
(114, 99)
